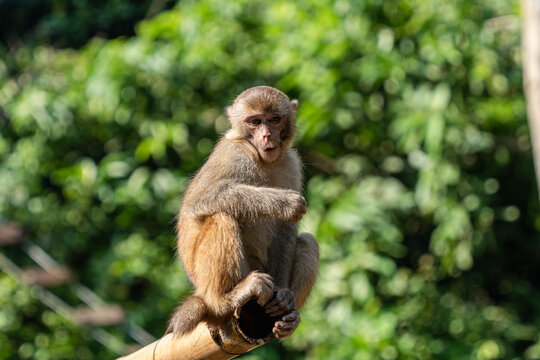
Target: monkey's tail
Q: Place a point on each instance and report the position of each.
(187, 315)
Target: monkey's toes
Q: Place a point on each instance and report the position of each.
(263, 298)
(263, 287)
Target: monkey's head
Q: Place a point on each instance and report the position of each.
(265, 117)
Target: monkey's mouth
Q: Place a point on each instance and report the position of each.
(270, 148)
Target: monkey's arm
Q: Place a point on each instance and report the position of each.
(249, 202)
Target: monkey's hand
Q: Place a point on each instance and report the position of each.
(286, 326)
(295, 208)
(282, 303)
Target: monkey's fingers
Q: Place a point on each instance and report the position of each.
(279, 309)
(273, 302)
(276, 311)
(283, 332)
(282, 326)
(277, 299)
(275, 306)
(283, 303)
(293, 316)
(284, 329)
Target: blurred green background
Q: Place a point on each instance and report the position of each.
(412, 126)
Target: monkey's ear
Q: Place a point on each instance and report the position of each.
(228, 110)
(294, 104)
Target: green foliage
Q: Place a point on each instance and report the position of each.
(412, 126)
(65, 23)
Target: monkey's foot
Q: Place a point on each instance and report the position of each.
(285, 328)
(260, 285)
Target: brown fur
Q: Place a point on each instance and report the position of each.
(237, 232)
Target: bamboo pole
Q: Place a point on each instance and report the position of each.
(531, 74)
(248, 328)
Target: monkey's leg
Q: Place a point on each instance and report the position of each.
(306, 267)
(220, 273)
(303, 275)
(223, 268)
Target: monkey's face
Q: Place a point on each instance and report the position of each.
(266, 134)
(265, 117)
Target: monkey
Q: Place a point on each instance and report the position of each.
(237, 232)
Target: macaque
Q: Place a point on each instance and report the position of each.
(237, 233)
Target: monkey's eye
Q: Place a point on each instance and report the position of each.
(255, 121)
(275, 119)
